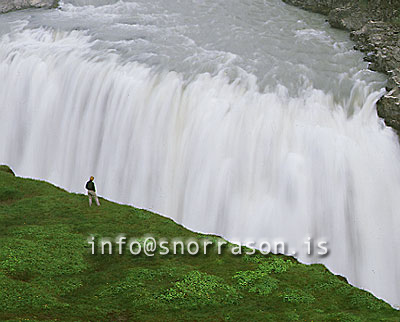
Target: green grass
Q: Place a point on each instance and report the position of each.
(48, 274)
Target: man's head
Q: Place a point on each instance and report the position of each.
(91, 178)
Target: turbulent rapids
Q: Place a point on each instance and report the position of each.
(254, 121)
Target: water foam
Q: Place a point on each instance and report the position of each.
(218, 156)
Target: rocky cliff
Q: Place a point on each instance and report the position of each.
(10, 5)
(375, 28)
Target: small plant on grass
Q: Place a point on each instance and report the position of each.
(256, 281)
(297, 296)
(198, 289)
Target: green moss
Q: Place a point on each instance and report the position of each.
(48, 251)
(198, 289)
(343, 316)
(21, 297)
(47, 272)
(8, 194)
(260, 280)
(297, 296)
(275, 265)
(256, 282)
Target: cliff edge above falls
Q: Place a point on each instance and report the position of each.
(11, 5)
(374, 25)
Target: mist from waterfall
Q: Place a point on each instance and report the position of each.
(254, 125)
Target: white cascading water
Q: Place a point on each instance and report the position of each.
(223, 144)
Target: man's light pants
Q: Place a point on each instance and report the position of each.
(91, 195)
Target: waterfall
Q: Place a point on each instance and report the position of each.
(216, 155)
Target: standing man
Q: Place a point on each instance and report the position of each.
(92, 191)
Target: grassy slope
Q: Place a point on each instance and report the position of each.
(47, 273)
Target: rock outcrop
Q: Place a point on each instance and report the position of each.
(5, 168)
(374, 26)
(11, 5)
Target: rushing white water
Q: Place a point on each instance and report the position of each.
(255, 123)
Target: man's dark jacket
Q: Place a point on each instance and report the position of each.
(90, 185)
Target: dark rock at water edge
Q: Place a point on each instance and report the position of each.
(375, 28)
(381, 42)
(11, 5)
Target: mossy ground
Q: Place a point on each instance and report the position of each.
(48, 274)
